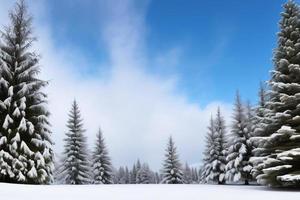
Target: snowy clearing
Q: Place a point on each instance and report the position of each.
(142, 192)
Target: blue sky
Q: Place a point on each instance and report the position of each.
(145, 70)
(221, 45)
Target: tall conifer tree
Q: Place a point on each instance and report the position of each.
(26, 154)
(207, 174)
(238, 167)
(75, 166)
(133, 174)
(213, 170)
(260, 121)
(144, 175)
(172, 172)
(187, 174)
(220, 131)
(282, 165)
(101, 164)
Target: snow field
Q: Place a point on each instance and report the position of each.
(142, 192)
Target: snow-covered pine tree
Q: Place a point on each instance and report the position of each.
(26, 154)
(195, 175)
(261, 116)
(138, 165)
(133, 174)
(144, 175)
(281, 167)
(250, 128)
(207, 174)
(115, 176)
(153, 179)
(261, 111)
(214, 155)
(238, 167)
(260, 121)
(120, 176)
(172, 173)
(127, 175)
(220, 132)
(101, 164)
(75, 165)
(187, 174)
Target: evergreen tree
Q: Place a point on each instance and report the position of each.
(101, 165)
(120, 176)
(187, 175)
(250, 129)
(210, 173)
(133, 174)
(260, 121)
(26, 154)
(220, 162)
(138, 165)
(214, 154)
(127, 175)
(238, 167)
(75, 168)
(144, 175)
(115, 176)
(281, 166)
(195, 175)
(172, 173)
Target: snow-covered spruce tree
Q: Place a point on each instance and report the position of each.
(75, 165)
(121, 176)
(209, 155)
(144, 175)
(101, 164)
(172, 173)
(214, 154)
(115, 176)
(282, 166)
(187, 174)
(220, 131)
(127, 175)
(138, 165)
(250, 128)
(195, 175)
(133, 174)
(260, 121)
(238, 167)
(258, 115)
(26, 154)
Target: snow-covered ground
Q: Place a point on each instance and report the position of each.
(142, 192)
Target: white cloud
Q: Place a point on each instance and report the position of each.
(136, 110)
(169, 59)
